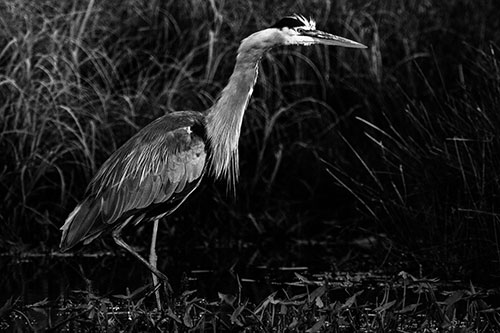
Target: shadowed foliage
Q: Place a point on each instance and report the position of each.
(398, 140)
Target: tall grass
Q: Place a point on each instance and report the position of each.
(76, 82)
(431, 180)
(407, 128)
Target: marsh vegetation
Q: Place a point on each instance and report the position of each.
(382, 163)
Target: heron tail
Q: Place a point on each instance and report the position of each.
(79, 223)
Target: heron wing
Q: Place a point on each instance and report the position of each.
(160, 164)
(151, 173)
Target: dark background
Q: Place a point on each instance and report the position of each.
(394, 147)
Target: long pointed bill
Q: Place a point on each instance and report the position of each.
(325, 38)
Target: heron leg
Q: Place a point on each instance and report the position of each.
(120, 242)
(153, 258)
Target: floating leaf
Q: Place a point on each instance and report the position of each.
(134, 293)
(265, 303)
(227, 298)
(172, 315)
(385, 306)
(350, 301)
(303, 279)
(408, 308)
(236, 314)
(316, 327)
(453, 298)
(188, 321)
(188, 292)
(318, 292)
(294, 323)
(319, 303)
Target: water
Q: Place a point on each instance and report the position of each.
(34, 277)
(46, 283)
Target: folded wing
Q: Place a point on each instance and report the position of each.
(150, 175)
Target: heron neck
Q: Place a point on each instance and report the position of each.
(226, 116)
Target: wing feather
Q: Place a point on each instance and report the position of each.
(168, 190)
(146, 171)
(182, 180)
(117, 202)
(147, 192)
(155, 188)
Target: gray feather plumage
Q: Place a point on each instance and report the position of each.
(165, 161)
(151, 167)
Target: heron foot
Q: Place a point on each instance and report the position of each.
(155, 287)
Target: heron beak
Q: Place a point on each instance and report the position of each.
(326, 38)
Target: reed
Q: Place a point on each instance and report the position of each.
(402, 136)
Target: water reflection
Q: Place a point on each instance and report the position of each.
(36, 277)
(75, 293)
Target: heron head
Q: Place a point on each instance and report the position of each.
(297, 30)
(293, 30)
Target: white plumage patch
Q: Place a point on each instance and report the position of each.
(309, 24)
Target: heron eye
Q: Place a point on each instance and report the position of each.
(300, 30)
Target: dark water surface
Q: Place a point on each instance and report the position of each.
(38, 276)
(253, 272)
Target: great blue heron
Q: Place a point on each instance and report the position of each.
(158, 168)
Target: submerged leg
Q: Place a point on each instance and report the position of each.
(153, 258)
